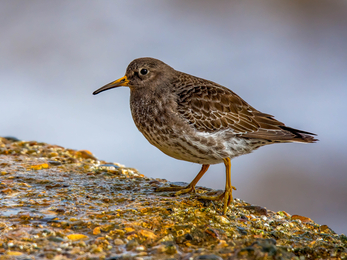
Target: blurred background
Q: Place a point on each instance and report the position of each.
(286, 58)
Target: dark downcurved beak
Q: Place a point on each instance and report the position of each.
(117, 83)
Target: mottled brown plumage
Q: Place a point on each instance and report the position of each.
(197, 120)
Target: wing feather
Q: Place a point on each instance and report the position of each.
(210, 107)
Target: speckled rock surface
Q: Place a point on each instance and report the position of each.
(58, 203)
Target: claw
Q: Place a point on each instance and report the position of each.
(190, 188)
(226, 196)
(180, 190)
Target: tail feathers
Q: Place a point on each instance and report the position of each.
(300, 136)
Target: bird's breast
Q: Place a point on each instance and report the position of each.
(153, 115)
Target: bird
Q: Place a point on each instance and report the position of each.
(197, 120)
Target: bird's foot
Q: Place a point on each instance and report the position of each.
(226, 196)
(180, 190)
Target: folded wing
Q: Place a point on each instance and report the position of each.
(209, 107)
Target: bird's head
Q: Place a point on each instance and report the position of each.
(142, 73)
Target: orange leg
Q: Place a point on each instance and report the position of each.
(227, 194)
(190, 187)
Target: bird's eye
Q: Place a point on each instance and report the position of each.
(143, 71)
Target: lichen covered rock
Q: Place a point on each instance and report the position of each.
(58, 203)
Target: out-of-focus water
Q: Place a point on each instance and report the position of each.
(286, 58)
